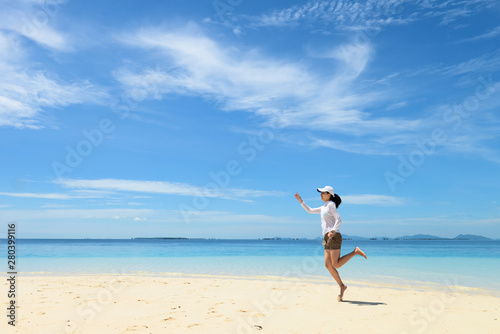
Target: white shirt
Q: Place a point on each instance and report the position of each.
(330, 218)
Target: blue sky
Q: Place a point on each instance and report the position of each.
(202, 119)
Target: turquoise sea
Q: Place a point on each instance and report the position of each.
(474, 264)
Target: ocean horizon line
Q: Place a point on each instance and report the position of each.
(419, 237)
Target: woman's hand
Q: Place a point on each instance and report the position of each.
(297, 196)
(331, 234)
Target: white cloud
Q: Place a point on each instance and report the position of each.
(490, 34)
(71, 214)
(54, 206)
(45, 196)
(285, 93)
(358, 147)
(199, 65)
(476, 141)
(483, 64)
(371, 14)
(24, 94)
(166, 188)
(453, 14)
(153, 216)
(34, 19)
(397, 105)
(343, 14)
(278, 90)
(371, 199)
(26, 90)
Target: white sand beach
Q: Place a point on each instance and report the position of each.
(176, 303)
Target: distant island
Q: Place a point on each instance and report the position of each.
(170, 238)
(458, 237)
(471, 237)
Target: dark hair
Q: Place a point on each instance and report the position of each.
(336, 199)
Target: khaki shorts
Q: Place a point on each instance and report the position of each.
(332, 243)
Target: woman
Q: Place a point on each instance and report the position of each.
(332, 239)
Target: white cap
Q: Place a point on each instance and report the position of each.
(327, 189)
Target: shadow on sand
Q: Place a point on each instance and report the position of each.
(362, 303)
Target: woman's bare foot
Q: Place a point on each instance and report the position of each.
(360, 252)
(342, 290)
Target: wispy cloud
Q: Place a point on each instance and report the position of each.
(452, 14)
(490, 34)
(26, 89)
(371, 199)
(247, 80)
(54, 206)
(165, 188)
(342, 14)
(371, 14)
(483, 64)
(288, 93)
(26, 94)
(34, 20)
(397, 105)
(197, 64)
(479, 141)
(36, 215)
(44, 196)
(358, 146)
(123, 214)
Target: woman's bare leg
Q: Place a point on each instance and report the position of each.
(335, 274)
(331, 269)
(340, 261)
